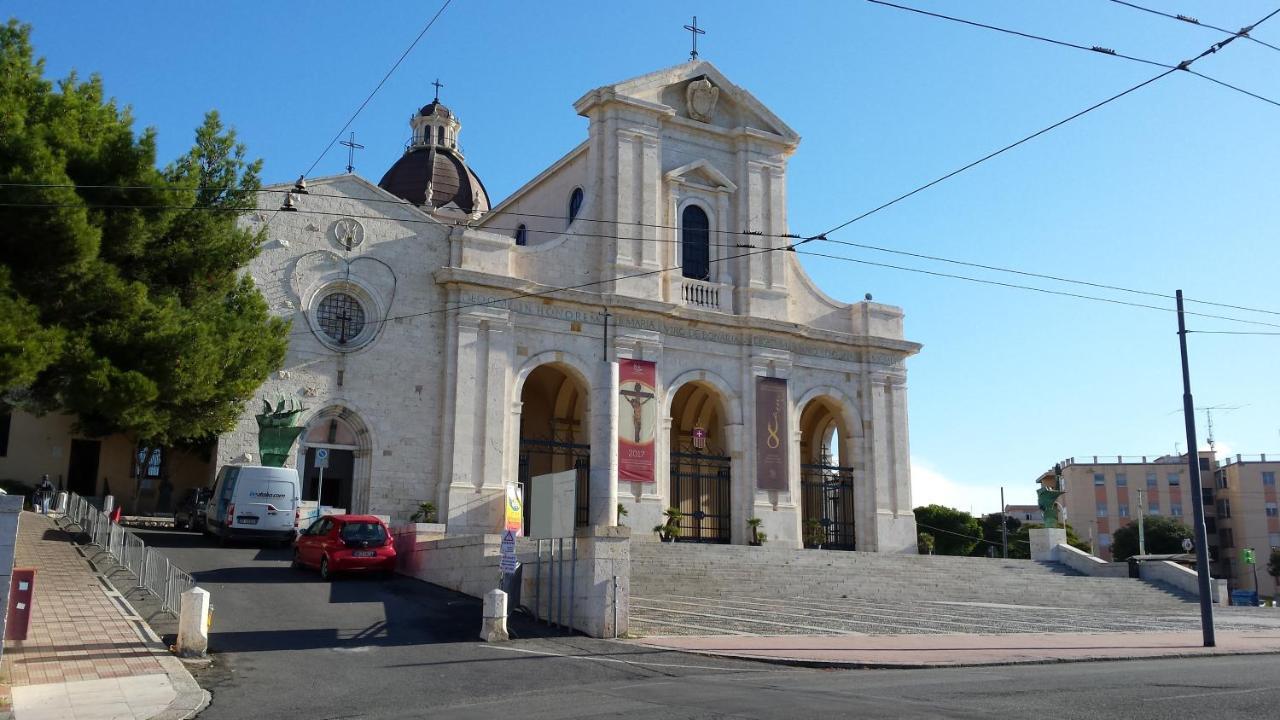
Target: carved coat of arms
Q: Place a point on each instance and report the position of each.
(700, 98)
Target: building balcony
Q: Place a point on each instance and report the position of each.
(706, 295)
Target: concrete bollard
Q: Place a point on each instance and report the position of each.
(193, 623)
(494, 628)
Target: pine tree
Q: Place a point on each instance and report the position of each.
(130, 310)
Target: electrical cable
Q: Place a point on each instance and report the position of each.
(1183, 65)
(1089, 48)
(1242, 32)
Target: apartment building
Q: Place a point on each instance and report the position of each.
(1248, 517)
(1105, 493)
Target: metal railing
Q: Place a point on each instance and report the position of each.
(152, 569)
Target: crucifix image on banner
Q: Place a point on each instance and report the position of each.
(771, 434)
(637, 420)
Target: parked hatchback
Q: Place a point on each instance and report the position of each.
(190, 514)
(346, 543)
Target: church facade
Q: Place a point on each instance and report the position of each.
(633, 314)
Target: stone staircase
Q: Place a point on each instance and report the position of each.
(736, 572)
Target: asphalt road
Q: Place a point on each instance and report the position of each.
(287, 645)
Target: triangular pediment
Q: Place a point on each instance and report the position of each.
(721, 104)
(701, 172)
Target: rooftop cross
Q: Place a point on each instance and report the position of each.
(352, 146)
(438, 85)
(695, 31)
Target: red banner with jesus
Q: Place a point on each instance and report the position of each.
(637, 420)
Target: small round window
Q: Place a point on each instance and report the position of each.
(341, 317)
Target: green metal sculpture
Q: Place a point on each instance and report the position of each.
(277, 430)
(1047, 497)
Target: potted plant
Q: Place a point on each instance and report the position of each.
(622, 512)
(669, 530)
(426, 513)
(814, 533)
(758, 538)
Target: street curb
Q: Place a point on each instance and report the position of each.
(190, 699)
(873, 665)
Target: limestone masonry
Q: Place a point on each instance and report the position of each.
(445, 348)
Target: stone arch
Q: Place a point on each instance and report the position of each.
(732, 403)
(700, 469)
(343, 430)
(550, 418)
(833, 499)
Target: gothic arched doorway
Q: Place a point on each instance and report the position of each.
(344, 483)
(826, 477)
(554, 436)
(700, 476)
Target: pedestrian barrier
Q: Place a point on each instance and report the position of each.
(153, 570)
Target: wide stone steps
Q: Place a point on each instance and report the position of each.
(659, 570)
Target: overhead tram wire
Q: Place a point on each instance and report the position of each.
(747, 234)
(1097, 49)
(378, 87)
(1032, 288)
(1242, 32)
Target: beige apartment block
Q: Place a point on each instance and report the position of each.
(1245, 486)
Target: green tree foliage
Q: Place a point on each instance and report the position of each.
(1020, 541)
(991, 533)
(954, 532)
(1164, 536)
(129, 309)
(1273, 564)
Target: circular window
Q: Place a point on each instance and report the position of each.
(341, 317)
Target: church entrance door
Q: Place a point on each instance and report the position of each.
(826, 477)
(701, 477)
(339, 479)
(553, 432)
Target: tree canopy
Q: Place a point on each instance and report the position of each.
(1164, 536)
(122, 299)
(992, 535)
(954, 532)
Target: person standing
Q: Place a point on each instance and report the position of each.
(44, 495)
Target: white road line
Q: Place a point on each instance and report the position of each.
(623, 662)
(1213, 694)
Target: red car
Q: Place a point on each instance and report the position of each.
(346, 543)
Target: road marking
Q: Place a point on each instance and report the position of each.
(1213, 694)
(623, 662)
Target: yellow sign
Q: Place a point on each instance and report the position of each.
(514, 510)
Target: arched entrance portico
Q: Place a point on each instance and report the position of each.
(346, 479)
(826, 476)
(700, 479)
(554, 435)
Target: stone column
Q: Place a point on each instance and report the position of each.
(604, 447)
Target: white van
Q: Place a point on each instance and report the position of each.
(253, 501)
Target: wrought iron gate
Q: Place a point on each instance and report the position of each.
(700, 490)
(826, 496)
(538, 457)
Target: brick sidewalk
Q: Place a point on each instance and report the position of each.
(78, 630)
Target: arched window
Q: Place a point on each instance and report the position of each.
(341, 317)
(575, 204)
(522, 235)
(440, 135)
(695, 243)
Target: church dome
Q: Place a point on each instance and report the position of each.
(441, 170)
(432, 173)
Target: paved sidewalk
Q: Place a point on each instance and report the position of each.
(87, 655)
(952, 650)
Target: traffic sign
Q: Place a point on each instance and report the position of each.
(322, 457)
(509, 564)
(509, 542)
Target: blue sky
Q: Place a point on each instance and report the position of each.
(1173, 186)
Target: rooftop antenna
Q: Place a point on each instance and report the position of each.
(695, 31)
(1208, 414)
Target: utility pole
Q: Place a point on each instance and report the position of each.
(1004, 525)
(1142, 511)
(1193, 466)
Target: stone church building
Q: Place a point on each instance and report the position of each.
(632, 313)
